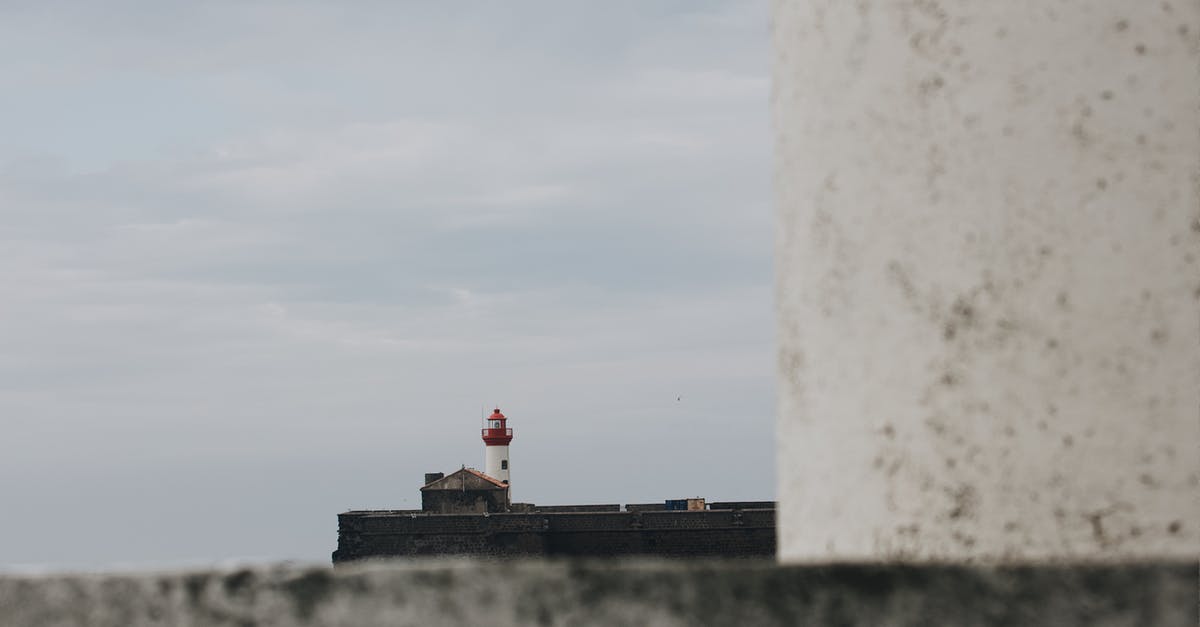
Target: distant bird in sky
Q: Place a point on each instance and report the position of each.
(678, 398)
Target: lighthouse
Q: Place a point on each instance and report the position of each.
(496, 436)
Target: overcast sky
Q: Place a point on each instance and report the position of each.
(264, 262)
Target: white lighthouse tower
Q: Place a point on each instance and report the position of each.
(496, 436)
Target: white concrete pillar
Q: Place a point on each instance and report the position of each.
(988, 264)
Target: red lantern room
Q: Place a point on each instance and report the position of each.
(497, 433)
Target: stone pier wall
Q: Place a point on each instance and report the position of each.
(742, 533)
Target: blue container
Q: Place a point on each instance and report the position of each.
(674, 505)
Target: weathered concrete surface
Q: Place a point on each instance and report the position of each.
(988, 264)
(501, 594)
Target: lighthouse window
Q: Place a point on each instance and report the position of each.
(504, 464)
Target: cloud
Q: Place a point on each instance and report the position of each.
(264, 261)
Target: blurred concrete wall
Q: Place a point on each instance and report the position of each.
(633, 594)
(988, 262)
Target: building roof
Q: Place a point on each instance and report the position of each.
(490, 478)
(466, 479)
